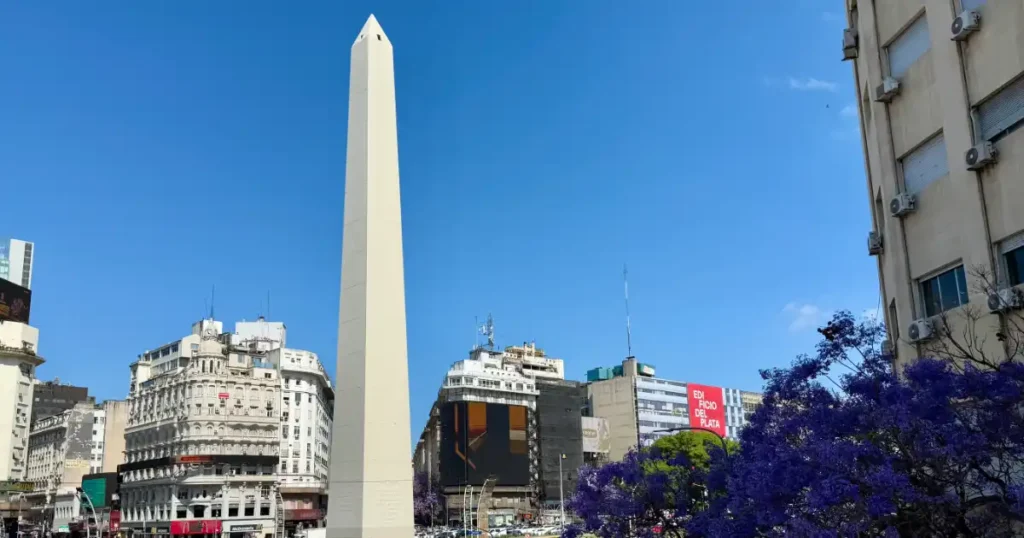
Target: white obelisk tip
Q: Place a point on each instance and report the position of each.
(372, 31)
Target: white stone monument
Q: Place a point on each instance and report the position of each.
(370, 488)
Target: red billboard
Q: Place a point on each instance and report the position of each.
(196, 526)
(707, 407)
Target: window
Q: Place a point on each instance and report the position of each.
(1013, 256)
(925, 164)
(215, 512)
(944, 292)
(908, 47)
(264, 510)
(971, 4)
(232, 510)
(1002, 113)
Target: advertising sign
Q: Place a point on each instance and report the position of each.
(480, 441)
(707, 407)
(15, 302)
(8, 486)
(196, 526)
(596, 438)
(96, 489)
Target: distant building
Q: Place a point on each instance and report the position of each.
(59, 455)
(560, 406)
(18, 363)
(53, 398)
(641, 408)
(16, 261)
(202, 439)
(108, 436)
(307, 408)
(482, 439)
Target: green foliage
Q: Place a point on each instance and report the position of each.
(694, 445)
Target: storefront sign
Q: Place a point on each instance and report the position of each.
(193, 459)
(302, 514)
(245, 528)
(8, 486)
(204, 526)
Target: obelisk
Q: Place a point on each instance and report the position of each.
(370, 486)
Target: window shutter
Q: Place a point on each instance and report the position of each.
(925, 164)
(908, 47)
(1002, 111)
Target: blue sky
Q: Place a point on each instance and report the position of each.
(153, 150)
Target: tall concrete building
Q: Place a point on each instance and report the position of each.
(18, 363)
(16, 258)
(639, 407)
(370, 478)
(53, 398)
(109, 420)
(940, 88)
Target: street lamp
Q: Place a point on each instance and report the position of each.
(92, 509)
(561, 491)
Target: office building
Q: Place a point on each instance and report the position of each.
(53, 398)
(109, 420)
(940, 91)
(307, 408)
(202, 439)
(640, 408)
(560, 407)
(16, 261)
(18, 363)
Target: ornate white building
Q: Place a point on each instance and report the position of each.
(202, 439)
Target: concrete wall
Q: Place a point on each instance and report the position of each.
(113, 435)
(615, 401)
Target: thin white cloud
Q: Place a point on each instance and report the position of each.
(811, 84)
(803, 316)
(849, 111)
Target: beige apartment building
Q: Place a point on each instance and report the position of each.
(941, 97)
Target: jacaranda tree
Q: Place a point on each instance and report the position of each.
(645, 494)
(427, 499)
(846, 445)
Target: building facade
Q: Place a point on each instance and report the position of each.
(108, 436)
(641, 408)
(53, 398)
(202, 439)
(18, 363)
(60, 453)
(307, 408)
(16, 259)
(560, 407)
(940, 91)
(488, 392)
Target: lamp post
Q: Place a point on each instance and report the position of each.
(561, 490)
(92, 509)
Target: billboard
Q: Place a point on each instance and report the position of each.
(15, 302)
(596, 437)
(707, 407)
(100, 487)
(480, 440)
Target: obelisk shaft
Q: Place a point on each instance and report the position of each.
(370, 493)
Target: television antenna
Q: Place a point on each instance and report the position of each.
(629, 336)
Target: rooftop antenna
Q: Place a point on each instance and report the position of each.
(268, 304)
(213, 299)
(629, 336)
(489, 328)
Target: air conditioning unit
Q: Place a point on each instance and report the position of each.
(874, 244)
(902, 204)
(1005, 299)
(965, 24)
(849, 44)
(921, 330)
(887, 90)
(981, 156)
